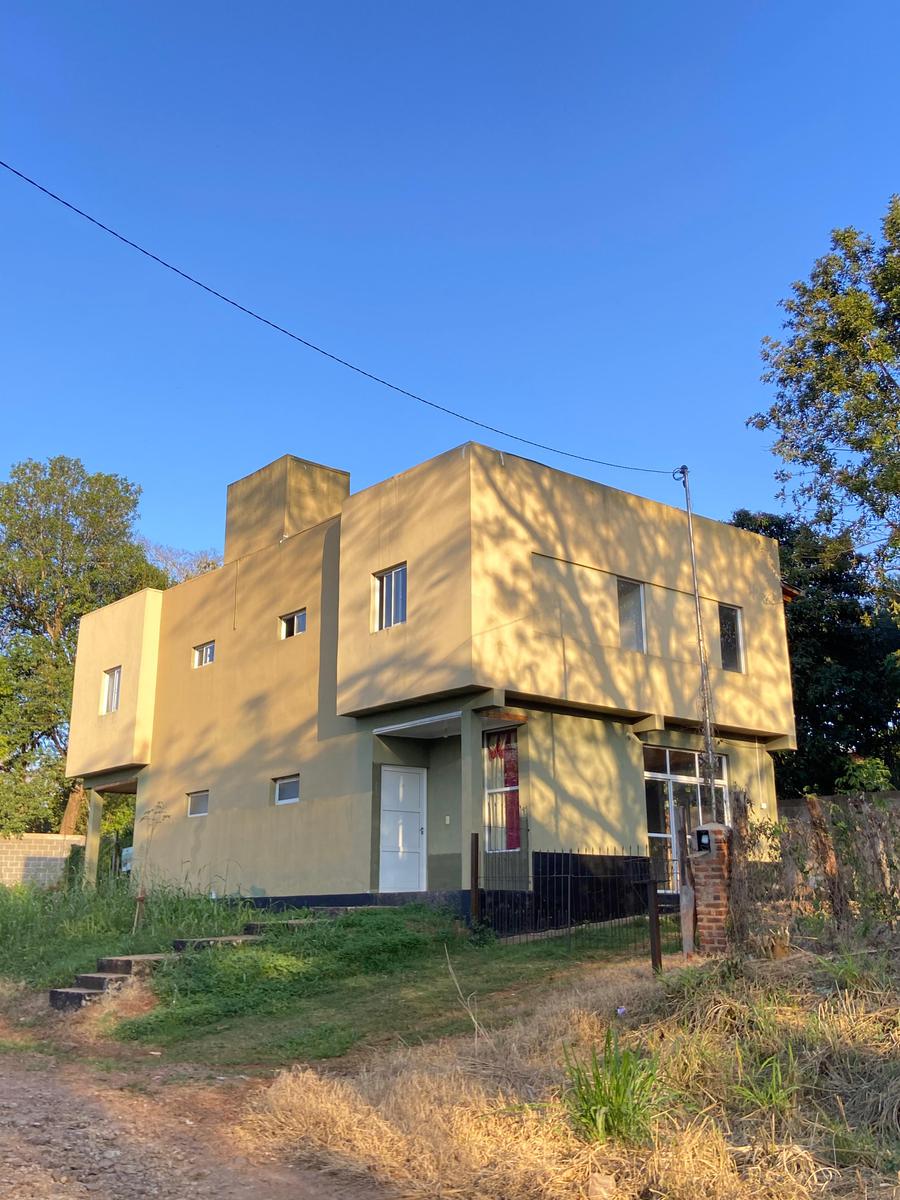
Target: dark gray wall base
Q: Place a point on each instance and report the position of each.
(454, 899)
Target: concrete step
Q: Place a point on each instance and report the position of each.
(131, 964)
(237, 939)
(101, 981)
(316, 912)
(262, 927)
(340, 910)
(70, 998)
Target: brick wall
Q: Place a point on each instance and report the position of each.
(37, 858)
(711, 883)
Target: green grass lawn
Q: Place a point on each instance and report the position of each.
(414, 1002)
(317, 992)
(306, 992)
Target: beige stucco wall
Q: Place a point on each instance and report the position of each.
(546, 550)
(124, 634)
(259, 711)
(421, 518)
(511, 586)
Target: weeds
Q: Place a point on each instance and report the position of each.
(48, 936)
(616, 1097)
(769, 1087)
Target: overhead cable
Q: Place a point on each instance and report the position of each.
(343, 362)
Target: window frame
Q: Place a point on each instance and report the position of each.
(111, 690)
(276, 785)
(672, 779)
(292, 617)
(490, 793)
(386, 588)
(190, 799)
(639, 584)
(198, 654)
(741, 668)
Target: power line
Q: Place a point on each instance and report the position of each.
(450, 412)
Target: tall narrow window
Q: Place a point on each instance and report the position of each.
(112, 681)
(198, 804)
(502, 815)
(293, 623)
(392, 596)
(631, 615)
(731, 638)
(204, 654)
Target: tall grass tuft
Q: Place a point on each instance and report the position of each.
(616, 1097)
(770, 1087)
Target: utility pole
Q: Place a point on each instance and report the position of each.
(708, 757)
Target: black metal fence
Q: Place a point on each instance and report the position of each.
(621, 899)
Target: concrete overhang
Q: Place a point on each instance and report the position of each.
(443, 725)
(123, 780)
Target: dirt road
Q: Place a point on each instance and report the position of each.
(72, 1133)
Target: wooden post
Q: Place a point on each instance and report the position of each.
(474, 885)
(653, 914)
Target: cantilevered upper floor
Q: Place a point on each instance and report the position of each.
(476, 570)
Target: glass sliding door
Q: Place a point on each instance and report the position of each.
(672, 787)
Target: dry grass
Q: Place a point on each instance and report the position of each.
(483, 1117)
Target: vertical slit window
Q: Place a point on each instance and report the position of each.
(112, 681)
(631, 615)
(731, 638)
(502, 813)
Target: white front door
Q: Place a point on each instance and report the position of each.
(402, 830)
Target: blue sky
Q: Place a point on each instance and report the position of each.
(574, 220)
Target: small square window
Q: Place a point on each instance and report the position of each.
(198, 804)
(731, 641)
(293, 623)
(287, 789)
(112, 680)
(204, 654)
(631, 615)
(391, 596)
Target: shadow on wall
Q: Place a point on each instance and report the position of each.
(249, 714)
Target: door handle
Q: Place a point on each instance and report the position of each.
(421, 831)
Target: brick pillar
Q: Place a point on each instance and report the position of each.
(711, 881)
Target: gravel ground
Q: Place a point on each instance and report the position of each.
(71, 1134)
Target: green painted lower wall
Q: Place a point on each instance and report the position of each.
(584, 783)
(583, 780)
(581, 785)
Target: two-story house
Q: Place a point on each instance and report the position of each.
(370, 678)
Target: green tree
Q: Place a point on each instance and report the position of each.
(836, 374)
(845, 657)
(67, 546)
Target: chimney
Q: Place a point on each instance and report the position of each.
(286, 497)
